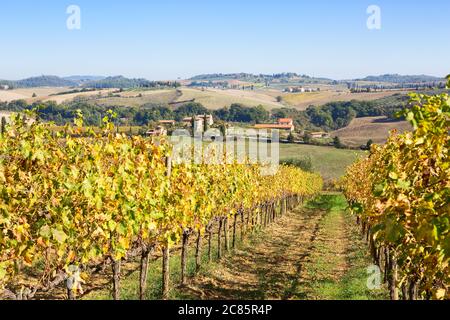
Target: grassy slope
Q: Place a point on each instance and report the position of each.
(27, 93)
(303, 100)
(216, 99)
(328, 161)
(132, 99)
(361, 130)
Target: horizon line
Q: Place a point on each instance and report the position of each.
(223, 73)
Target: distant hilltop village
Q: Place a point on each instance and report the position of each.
(300, 90)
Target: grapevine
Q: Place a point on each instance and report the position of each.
(70, 201)
(401, 194)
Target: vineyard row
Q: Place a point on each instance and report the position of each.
(401, 195)
(68, 204)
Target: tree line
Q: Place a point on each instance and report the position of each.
(93, 114)
(331, 116)
(337, 115)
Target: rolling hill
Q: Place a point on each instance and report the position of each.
(83, 79)
(50, 81)
(360, 130)
(285, 77)
(215, 99)
(97, 82)
(396, 78)
(117, 82)
(44, 81)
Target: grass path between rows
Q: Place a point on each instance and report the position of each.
(313, 252)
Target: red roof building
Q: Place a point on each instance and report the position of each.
(286, 121)
(283, 124)
(169, 122)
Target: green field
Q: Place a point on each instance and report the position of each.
(328, 161)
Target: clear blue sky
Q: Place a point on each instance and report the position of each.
(180, 38)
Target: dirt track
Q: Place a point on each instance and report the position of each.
(269, 267)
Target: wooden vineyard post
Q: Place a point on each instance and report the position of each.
(234, 230)
(274, 216)
(386, 264)
(184, 254)
(413, 290)
(372, 248)
(253, 223)
(165, 271)
(393, 289)
(198, 252)
(260, 216)
(116, 279)
(210, 235)
(225, 227)
(145, 257)
(247, 222)
(404, 291)
(70, 295)
(278, 209)
(69, 287)
(168, 166)
(242, 224)
(219, 239)
(264, 215)
(273, 213)
(377, 254)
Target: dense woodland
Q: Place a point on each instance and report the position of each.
(122, 82)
